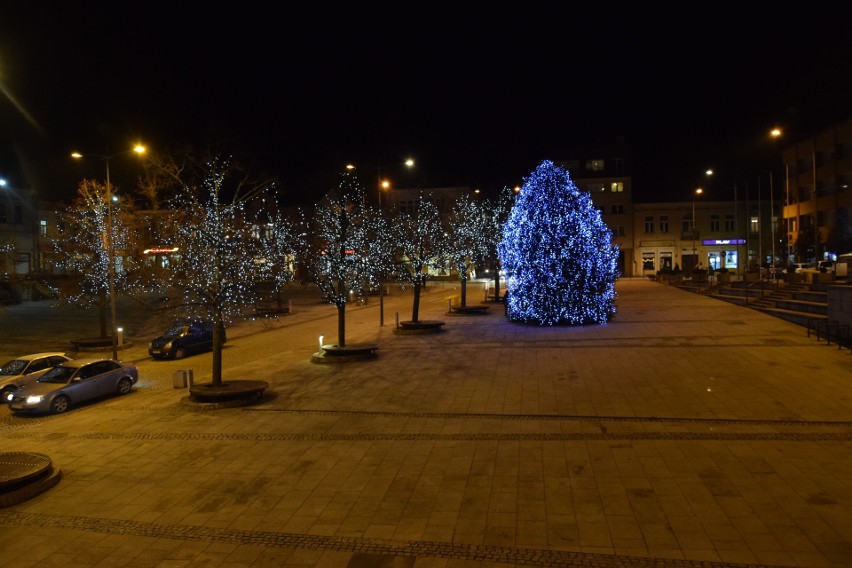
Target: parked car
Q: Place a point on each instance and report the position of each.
(25, 369)
(804, 266)
(826, 266)
(73, 382)
(184, 338)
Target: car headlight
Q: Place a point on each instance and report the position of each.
(9, 396)
(34, 398)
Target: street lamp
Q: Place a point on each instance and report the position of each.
(139, 149)
(384, 184)
(698, 191)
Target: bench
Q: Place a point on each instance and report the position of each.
(469, 310)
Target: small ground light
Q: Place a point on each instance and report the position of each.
(321, 337)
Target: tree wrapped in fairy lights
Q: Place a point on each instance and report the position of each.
(423, 246)
(338, 254)
(467, 238)
(557, 254)
(218, 270)
(81, 248)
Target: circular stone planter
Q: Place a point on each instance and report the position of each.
(23, 475)
(419, 327)
(346, 353)
(226, 395)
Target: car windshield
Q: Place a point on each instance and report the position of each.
(13, 367)
(58, 375)
(176, 331)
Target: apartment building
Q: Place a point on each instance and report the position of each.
(818, 195)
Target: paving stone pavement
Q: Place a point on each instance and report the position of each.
(687, 432)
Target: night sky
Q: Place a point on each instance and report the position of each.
(477, 98)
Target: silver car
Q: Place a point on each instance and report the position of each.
(25, 369)
(74, 382)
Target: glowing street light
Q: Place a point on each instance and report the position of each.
(139, 149)
(698, 191)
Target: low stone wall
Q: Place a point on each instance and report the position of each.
(840, 304)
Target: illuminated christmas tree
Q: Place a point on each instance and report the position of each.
(219, 267)
(82, 247)
(338, 253)
(557, 254)
(422, 246)
(467, 238)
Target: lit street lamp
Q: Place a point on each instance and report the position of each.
(384, 184)
(139, 149)
(698, 191)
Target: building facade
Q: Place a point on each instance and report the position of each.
(818, 195)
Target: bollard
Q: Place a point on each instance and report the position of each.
(289, 306)
(119, 336)
(179, 379)
(397, 319)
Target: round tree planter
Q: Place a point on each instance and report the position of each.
(228, 394)
(345, 354)
(419, 327)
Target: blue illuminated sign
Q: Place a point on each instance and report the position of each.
(712, 242)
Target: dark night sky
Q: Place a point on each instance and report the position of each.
(478, 98)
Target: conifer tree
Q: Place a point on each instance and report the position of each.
(557, 253)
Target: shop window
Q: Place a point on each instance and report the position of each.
(648, 261)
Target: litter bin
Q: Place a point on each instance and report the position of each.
(179, 379)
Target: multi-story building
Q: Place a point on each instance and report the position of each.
(18, 231)
(658, 236)
(603, 170)
(818, 195)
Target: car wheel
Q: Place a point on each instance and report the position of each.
(6, 392)
(180, 353)
(60, 404)
(124, 385)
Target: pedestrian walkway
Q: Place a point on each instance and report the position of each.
(687, 432)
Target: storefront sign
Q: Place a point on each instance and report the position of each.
(712, 242)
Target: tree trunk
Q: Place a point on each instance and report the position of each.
(216, 371)
(463, 277)
(341, 312)
(415, 310)
(341, 324)
(102, 309)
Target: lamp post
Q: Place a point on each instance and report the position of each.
(698, 191)
(139, 149)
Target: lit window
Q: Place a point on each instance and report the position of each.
(595, 165)
(616, 187)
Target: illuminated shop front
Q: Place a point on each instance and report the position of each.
(723, 253)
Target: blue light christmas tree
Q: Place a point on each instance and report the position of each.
(557, 254)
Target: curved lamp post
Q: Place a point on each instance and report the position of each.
(139, 149)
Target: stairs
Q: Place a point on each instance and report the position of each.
(803, 303)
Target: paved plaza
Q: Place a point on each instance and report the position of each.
(688, 432)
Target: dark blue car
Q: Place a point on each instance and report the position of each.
(184, 338)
